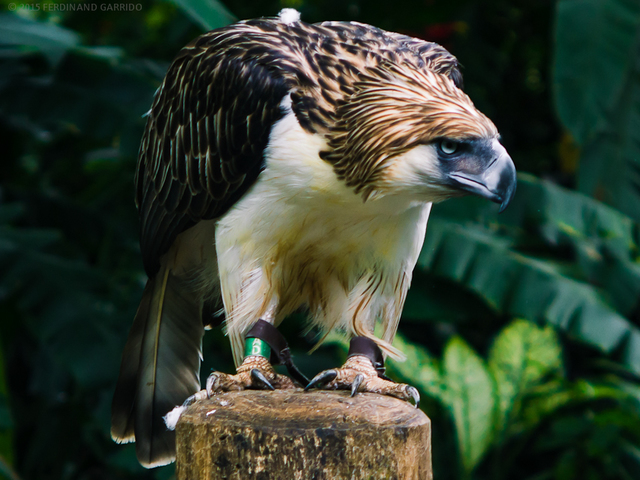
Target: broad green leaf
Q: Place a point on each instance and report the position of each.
(605, 241)
(520, 358)
(597, 94)
(52, 40)
(562, 217)
(470, 397)
(521, 286)
(209, 14)
(610, 163)
(545, 212)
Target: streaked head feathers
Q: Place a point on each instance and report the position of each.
(393, 109)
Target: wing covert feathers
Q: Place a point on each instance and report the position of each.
(203, 144)
(160, 367)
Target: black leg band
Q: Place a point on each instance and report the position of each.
(280, 353)
(368, 348)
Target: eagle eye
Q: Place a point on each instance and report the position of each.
(448, 147)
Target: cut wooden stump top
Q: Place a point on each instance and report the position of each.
(291, 434)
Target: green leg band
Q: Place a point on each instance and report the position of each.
(255, 346)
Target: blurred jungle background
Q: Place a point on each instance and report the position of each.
(522, 329)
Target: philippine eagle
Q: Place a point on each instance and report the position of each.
(284, 166)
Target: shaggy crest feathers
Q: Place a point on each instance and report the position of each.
(392, 110)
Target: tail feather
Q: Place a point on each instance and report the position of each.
(160, 367)
(122, 407)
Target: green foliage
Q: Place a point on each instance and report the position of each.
(597, 65)
(519, 396)
(470, 396)
(48, 39)
(509, 262)
(521, 358)
(553, 394)
(71, 277)
(209, 14)
(484, 398)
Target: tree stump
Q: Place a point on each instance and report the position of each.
(293, 435)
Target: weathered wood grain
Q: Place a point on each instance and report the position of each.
(293, 435)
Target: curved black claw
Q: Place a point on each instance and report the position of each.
(355, 386)
(321, 379)
(259, 380)
(413, 393)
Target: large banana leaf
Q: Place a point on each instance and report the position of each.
(522, 286)
(602, 241)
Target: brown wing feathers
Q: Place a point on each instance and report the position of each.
(203, 144)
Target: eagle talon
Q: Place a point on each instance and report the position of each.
(321, 380)
(356, 384)
(258, 380)
(415, 396)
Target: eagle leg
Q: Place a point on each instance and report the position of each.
(364, 372)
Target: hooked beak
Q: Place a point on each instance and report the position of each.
(496, 183)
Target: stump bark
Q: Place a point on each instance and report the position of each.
(296, 435)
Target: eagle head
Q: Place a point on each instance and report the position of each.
(406, 131)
